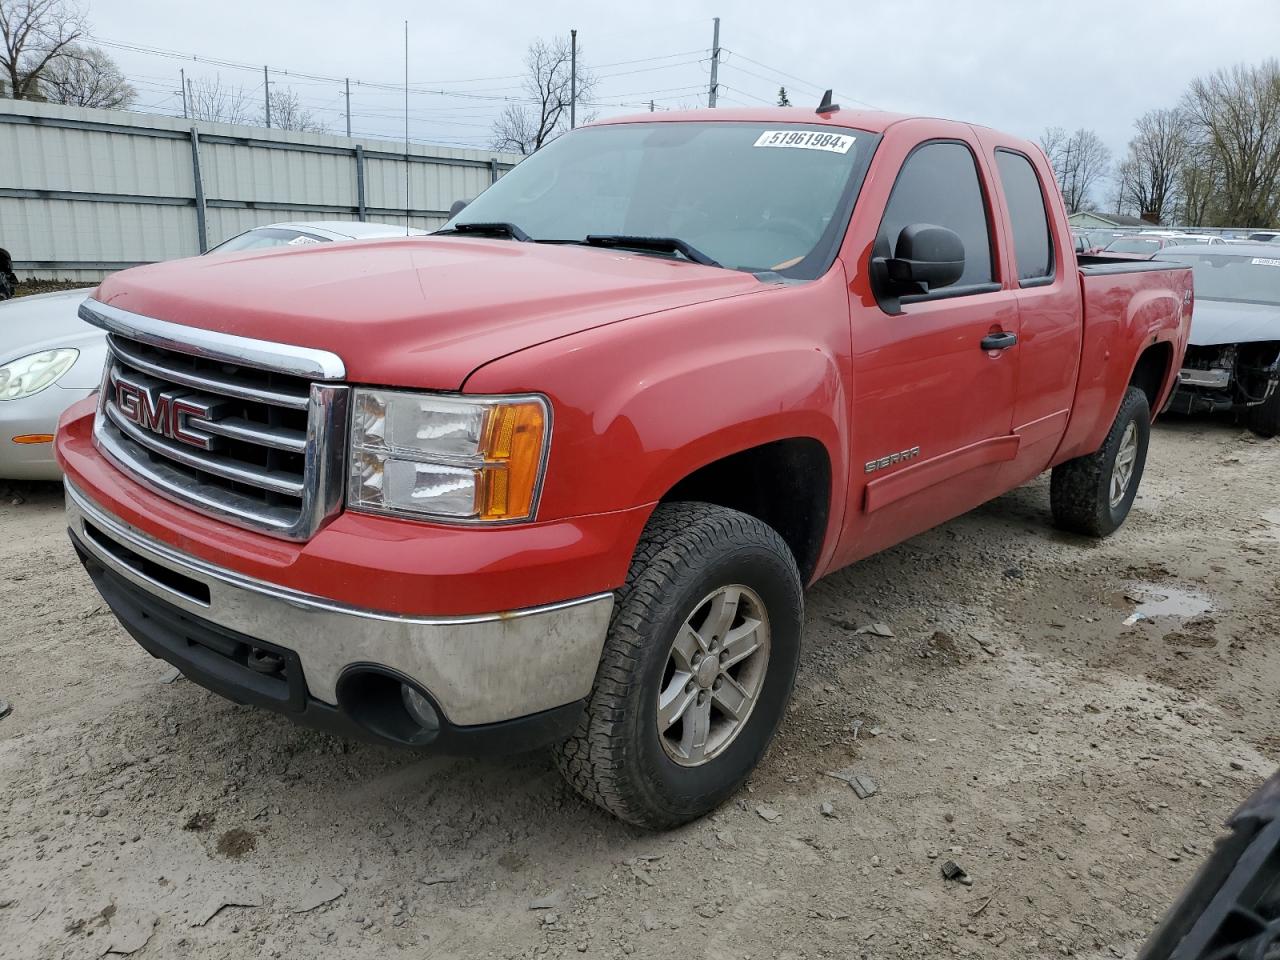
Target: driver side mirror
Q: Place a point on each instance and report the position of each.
(926, 257)
(457, 207)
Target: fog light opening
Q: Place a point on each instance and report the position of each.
(389, 706)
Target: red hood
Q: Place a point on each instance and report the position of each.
(417, 312)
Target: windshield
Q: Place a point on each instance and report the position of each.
(263, 238)
(1242, 279)
(751, 196)
(1134, 245)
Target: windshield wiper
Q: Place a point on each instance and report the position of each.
(510, 229)
(660, 244)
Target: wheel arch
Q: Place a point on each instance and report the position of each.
(1151, 372)
(785, 483)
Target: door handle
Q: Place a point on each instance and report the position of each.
(999, 341)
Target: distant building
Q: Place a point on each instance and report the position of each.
(1092, 220)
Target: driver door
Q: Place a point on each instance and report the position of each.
(932, 406)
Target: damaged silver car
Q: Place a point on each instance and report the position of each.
(1233, 358)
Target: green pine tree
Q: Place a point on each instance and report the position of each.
(783, 99)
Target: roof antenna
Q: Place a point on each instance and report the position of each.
(826, 106)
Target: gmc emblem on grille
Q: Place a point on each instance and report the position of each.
(166, 412)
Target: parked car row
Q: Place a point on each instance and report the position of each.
(50, 358)
(1232, 361)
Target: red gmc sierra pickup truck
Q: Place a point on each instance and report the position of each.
(558, 474)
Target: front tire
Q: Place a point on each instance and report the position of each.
(1093, 494)
(697, 668)
(1264, 419)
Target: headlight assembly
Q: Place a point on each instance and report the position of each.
(451, 458)
(31, 374)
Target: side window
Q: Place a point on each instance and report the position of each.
(939, 184)
(1032, 244)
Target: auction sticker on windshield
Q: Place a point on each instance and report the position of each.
(806, 140)
(1256, 261)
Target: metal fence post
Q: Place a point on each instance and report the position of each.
(493, 169)
(202, 232)
(360, 204)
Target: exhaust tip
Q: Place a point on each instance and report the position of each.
(389, 706)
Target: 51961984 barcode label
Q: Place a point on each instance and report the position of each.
(806, 140)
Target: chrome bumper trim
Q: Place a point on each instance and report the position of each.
(480, 669)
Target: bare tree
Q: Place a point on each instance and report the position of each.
(544, 114)
(87, 77)
(1200, 189)
(1235, 119)
(1149, 174)
(287, 112)
(1051, 142)
(33, 34)
(208, 99)
(1079, 161)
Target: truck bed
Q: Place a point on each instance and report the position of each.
(1124, 302)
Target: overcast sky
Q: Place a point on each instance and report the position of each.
(1018, 65)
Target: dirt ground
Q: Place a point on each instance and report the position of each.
(1076, 764)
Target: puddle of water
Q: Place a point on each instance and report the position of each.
(1163, 600)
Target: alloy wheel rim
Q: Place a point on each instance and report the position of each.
(1122, 469)
(713, 676)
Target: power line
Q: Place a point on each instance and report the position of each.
(751, 95)
(392, 87)
(323, 95)
(793, 77)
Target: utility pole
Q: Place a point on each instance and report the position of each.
(348, 106)
(715, 62)
(189, 94)
(573, 79)
(407, 208)
(183, 73)
(266, 94)
(651, 106)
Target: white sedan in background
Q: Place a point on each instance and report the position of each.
(50, 358)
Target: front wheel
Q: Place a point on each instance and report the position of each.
(1264, 419)
(1093, 494)
(696, 670)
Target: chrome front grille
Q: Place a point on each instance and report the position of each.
(248, 431)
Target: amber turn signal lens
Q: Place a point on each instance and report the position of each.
(34, 438)
(512, 449)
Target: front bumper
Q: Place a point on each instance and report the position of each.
(1216, 379)
(1202, 391)
(477, 670)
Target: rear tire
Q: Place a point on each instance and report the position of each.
(702, 575)
(1093, 494)
(1264, 419)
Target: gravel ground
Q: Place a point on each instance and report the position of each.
(1075, 763)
